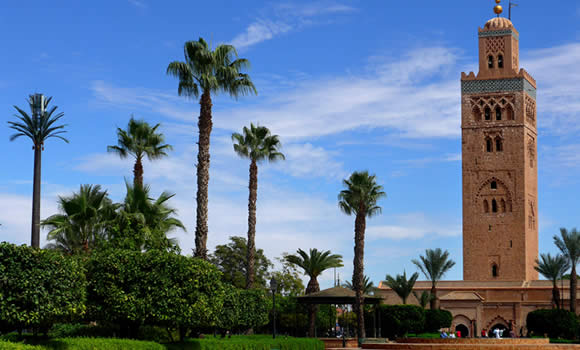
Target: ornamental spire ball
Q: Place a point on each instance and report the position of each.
(498, 9)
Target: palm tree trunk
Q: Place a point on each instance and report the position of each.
(35, 234)
(358, 271)
(434, 302)
(573, 286)
(556, 294)
(205, 125)
(252, 224)
(312, 287)
(138, 173)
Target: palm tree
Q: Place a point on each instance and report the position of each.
(434, 265)
(138, 141)
(401, 285)
(256, 144)
(152, 218)
(38, 128)
(424, 298)
(313, 265)
(208, 72)
(368, 285)
(552, 268)
(569, 245)
(360, 197)
(83, 221)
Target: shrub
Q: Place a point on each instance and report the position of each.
(437, 319)
(398, 320)
(254, 309)
(15, 346)
(554, 322)
(39, 287)
(132, 288)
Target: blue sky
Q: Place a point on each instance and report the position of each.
(348, 85)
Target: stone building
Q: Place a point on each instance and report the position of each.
(500, 194)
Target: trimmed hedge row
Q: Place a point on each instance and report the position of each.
(85, 344)
(4, 345)
(253, 343)
(399, 320)
(556, 323)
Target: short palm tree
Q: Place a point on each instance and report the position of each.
(368, 285)
(39, 127)
(401, 285)
(313, 265)
(569, 245)
(424, 298)
(434, 265)
(360, 197)
(205, 72)
(139, 140)
(552, 268)
(257, 144)
(82, 222)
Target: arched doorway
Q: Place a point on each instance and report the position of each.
(463, 329)
(504, 332)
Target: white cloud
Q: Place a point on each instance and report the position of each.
(306, 160)
(413, 226)
(259, 31)
(138, 3)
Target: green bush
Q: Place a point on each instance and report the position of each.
(257, 342)
(4, 345)
(554, 322)
(253, 306)
(132, 288)
(398, 320)
(39, 288)
(437, 319)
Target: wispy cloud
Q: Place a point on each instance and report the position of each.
(285, 17)
(138, 3)
(307, 160)
(412, 227)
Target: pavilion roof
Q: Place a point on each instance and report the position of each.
(336, 295)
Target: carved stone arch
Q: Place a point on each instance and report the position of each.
(477, 114)
(461, 319)
(510, 112)
(497, 320)
(500, 184)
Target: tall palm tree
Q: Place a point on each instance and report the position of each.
(360, 198)
(434, 265)
(368, 285)
(154, 217)
(139, 140)
(82, 222)
(552, 268)
(39, 127)
(401, 285)
(313, 265)
(206, 72)
(256, 144)
(569, 245)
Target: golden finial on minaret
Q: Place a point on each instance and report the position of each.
(498, 9)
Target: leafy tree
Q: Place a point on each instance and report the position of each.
(552, 268)
(39, 127)
(257, 144)
(424, 298)
(205, 72)
(557, 323)
(138, 141)
(313, 265)
(434, 265)
(398, 320)
(437, 319)
(39, 288)
(368, 285)
(569, 245)
(148, 219)
(360, 197)
(231, 259)
(289, 281)
(401, 285)
(82, 222)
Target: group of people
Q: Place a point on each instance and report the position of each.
(497, 333)
(444, 334)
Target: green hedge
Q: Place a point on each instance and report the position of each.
(84, 344)
(38, 288)
(16, 346)
(556, 323)
(257, 342)
(399, 320)
(437, 319)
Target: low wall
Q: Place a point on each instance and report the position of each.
(471, 343)
(503, 341)
(332, 343)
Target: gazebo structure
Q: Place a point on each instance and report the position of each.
(341, 296)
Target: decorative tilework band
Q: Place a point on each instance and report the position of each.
(498, 85)
(499, 33)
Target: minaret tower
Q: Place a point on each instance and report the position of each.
(499, 160)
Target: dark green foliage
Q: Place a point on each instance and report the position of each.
(254, 308)
(555, 323)
(398, 320)
(39, 287)
(436, 319)
(131, 288)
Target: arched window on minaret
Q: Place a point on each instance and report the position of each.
(476, 114)
(497, 113)
(490, 61)
(509, 113)
(485, 206)
(500, 61)
(494, 206)
(498, 144)
(487, 113)
(488, 145)
(494, 270)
